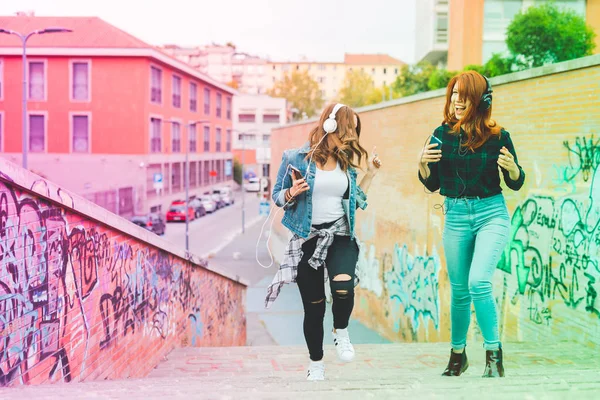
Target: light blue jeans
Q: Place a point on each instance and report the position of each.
(475, 234)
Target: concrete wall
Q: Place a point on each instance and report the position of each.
(547, 282)
(86, 295)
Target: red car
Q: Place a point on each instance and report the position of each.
(177, 212)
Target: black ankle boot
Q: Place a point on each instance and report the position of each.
(457, 365)
(493, 364)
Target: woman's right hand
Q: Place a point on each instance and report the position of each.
(298, 186)
(430, 154)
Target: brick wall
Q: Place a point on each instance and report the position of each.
(86, 295)
(547, 282)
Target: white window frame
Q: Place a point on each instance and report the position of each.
(1, 79)
(175, 77)
(45, 62)
(162, 121)
(188, 128)
(172, 123)
(87, 114)
(46, 133)
(2, 131)
(162, 78)
(88, 61)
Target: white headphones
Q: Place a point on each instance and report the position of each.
(330, 124)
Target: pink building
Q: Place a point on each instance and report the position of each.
(109, 115)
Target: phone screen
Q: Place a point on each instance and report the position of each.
(437, 141)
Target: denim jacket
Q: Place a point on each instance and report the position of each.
(298, 212)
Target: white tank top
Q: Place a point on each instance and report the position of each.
(328, 191)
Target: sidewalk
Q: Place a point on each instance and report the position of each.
(282, 323)
(392, 371)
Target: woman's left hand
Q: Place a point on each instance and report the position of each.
(507, 161)
(374, 163)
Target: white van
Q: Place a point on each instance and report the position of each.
(253, 185)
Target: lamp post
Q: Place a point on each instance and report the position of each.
(187, 178)
(24, 38)
(242, 161)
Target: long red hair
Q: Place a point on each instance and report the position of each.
(477, 124)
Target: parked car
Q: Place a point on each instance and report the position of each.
(253, 185)
(153, 222)
(226, 195)
(177, 212)
(209, 204)
(198, 207)
(216, 198)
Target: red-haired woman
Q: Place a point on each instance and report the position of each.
(464, 167)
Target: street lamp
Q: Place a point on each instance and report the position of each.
(24, 57)
(187, 179)
(242, 162)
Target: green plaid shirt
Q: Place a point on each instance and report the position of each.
(468, 174)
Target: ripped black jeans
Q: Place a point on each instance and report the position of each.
(341, 259)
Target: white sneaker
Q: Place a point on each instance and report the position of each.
(316, 371)
(344, 348)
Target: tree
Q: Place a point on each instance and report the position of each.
(237, 171)
(413, 79)
(233, 84)
(301, 91)
(440, 78)
(357, 89)
(546, 34)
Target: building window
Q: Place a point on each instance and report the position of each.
(206, 138)
(206, 101)
(80, 134)
(37, 133)
(1, 79)
(192, 138)
(155, 85)
(266, 139)
(321, 67)
(155, 135)
(176, 177)
(176, 91)
(395, 71)
(228, 108)
(219, 100)
(373, 70)
(193, 97)
(37, 80)
(193, 174)
(228, 139)
(205, 172)
(271, 118)
(247, 118)
(385, 71)
(218, 139)
(321, 79)
(80, 89)
(175, 137)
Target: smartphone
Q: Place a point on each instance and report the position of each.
(436, 141)
(295, 172)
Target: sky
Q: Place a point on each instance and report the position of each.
(281, 30)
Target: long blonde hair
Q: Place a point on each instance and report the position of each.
(343, 144)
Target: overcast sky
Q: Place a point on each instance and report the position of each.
(321, 30)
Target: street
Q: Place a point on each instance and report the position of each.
(211, 232)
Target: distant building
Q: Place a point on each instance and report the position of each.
(254, 116)
(108, 115)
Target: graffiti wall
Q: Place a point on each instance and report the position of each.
(547, 282)
(81, 300)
